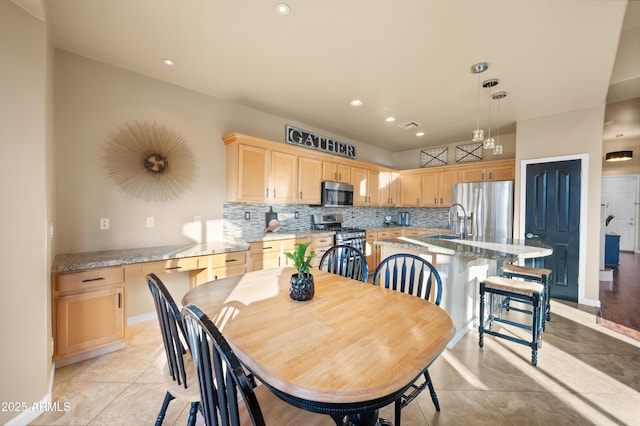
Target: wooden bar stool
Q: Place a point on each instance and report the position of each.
(523, 291)
(541, 275)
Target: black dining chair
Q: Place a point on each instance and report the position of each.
(411, 274)
(179, 373)
(345, 260)
(230, 397)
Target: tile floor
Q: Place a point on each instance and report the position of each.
(586, 375)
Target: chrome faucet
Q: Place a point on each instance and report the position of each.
(463, 228)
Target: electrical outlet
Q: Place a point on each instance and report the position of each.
(296, 215)
(151, 222)
(104, 223)
(247, 215)
(353, 215)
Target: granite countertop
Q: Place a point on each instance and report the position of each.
(510, 251)
(98, 259)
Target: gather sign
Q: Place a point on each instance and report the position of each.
(310, 140)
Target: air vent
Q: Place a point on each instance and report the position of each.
(409, 125)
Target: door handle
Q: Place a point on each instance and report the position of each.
(530, 235)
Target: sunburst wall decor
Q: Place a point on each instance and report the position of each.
(149, 162)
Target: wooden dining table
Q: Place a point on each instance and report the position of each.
(350, 350)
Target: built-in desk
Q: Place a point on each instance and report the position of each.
(89, 289)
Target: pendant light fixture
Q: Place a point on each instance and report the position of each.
(489, 143)
(478, 134)
(497, 149)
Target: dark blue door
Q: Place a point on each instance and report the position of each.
(553, 216)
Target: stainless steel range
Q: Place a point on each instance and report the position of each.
(343, 235)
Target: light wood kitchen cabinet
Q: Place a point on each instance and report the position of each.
(389, 188)
(271, 254)
(247, 173)
(429, 189)
(412, 232)
(221, 265)
(283, 178)
(395, 232)
(309, 180)
(320, 245)
(89, 311)
(336, 172)
(487, 172)
(370, 252)
(366, 186)
(410, 189)
(435, 188)
(265, 255)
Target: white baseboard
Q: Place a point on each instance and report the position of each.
(589, 302)
(38, 407)
(141, 318)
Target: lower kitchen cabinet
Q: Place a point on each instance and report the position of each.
(320, 245)
(271, 254)
(89, 311)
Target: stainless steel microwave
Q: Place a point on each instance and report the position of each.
(336, 194)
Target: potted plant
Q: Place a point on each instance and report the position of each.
(301, 286)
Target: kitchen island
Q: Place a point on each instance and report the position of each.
(463, 264)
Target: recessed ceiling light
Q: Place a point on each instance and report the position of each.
(356, 103)
(390, 119)
(420, 134)
(167, 61)
(282, 9)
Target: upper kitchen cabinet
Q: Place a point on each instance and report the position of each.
(247, 173)
(389, 188)
(410, 188)
(282, 186)
(366, 186)
(309, 180)
(488, 171)
(256, 173)
(336, 172)
(427, 188)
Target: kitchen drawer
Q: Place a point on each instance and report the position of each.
(164, 266)
(413, 232)
(395, 233)
(225, 260)
(326, 241)
(267, 261)
(89, 278)
(290, 245)
(265, 247)
(383, 235)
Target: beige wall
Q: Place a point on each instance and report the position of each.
(576, 132)
(94, 100)
(26, 173)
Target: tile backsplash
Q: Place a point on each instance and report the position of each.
(364, 217)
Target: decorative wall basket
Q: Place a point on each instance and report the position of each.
(150, 162)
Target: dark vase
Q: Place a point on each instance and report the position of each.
(301, 287)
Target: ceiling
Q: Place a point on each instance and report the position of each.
(409, 59)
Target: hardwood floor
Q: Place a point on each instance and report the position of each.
(620, 298)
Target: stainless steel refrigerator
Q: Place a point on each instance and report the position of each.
(488, 207)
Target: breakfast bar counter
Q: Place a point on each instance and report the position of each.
(462, 265)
